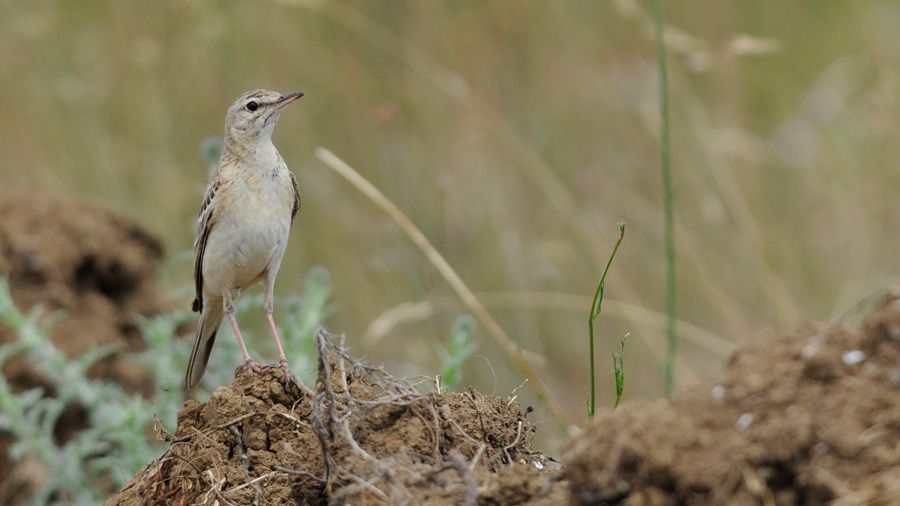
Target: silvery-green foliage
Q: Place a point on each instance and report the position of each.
(458, 349)
(302, 317)
(116, 419)
(114, 444)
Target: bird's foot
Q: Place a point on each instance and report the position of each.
(252, 367)
(288, 375)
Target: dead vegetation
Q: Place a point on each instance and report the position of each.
(361, 437)
(803, 418)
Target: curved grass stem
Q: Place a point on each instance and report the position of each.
(596, 307)
(437, 260)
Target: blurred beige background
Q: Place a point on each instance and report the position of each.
(515, 134)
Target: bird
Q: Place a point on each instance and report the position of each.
(242, 230)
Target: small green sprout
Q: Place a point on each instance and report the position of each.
(596, 307)
(457, 351)
(619, 368)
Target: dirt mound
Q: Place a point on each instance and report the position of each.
(96, 265)
(803, 418)
(806, 418)
(363, 437)
(100, 268)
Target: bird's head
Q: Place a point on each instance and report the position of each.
(253, 116)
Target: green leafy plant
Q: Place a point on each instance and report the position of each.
(618, 359)
(457, 350)
(302, 317)
(596, 307)
(165, 357)
(114, 444)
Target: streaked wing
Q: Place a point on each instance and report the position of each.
(201, 234)
(296, 208)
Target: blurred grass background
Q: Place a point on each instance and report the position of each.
(515, 134)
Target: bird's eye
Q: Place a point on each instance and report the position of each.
(252, 106)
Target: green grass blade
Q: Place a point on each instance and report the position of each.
(596, 307)
(669, 367)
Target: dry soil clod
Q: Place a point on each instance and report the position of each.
(362, 437)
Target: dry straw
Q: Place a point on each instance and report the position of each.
(466, 295)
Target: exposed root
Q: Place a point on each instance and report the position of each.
(362, 436)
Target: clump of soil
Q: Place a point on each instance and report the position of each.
(806, 418)
(363, 437)
(96, 265)
(100, 269)
(803, 418)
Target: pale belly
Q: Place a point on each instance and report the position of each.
(239, 251)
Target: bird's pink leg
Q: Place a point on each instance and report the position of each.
(283, 361)
(267, 309)
(288, 376)
(275, 333)
(248, 361)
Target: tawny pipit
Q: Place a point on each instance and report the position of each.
(244, 223)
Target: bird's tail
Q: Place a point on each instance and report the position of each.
(210, 319)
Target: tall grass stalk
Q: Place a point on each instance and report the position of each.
(596, 307)
(669, 367)
(437, 260)
(455, 86)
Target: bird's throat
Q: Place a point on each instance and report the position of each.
(258, 150)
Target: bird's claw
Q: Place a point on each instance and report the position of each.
(288, 375)
(252, 367)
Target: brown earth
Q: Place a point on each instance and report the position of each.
(806, 418)
(96, 265)
(363, 437)
(809, 418)
(100, 269)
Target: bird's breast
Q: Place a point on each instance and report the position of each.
(269, 191)
(252, 228)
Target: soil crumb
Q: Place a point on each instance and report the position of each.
(806, 418)
(362, 437)
(96, 266)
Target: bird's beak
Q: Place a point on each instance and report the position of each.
(287, 98)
